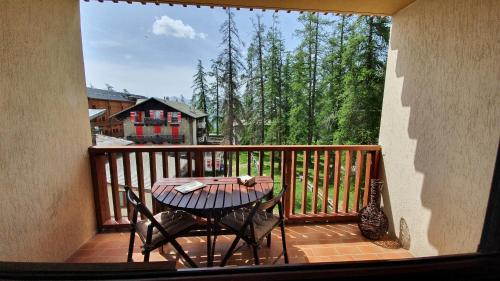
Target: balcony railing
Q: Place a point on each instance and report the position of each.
(327, 182)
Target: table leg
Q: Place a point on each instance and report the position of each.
(209, 242)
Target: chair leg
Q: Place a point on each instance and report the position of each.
(285, 254)
(179, 250)
(255, 254)
(268, 239)
(230, 251)
(131, 245)
(146, 255)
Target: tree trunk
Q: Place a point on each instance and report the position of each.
(261, 74)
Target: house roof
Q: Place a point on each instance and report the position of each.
(101, 94)
(94, 113)
(181, 107)
(103, 140)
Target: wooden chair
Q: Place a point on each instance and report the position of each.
(158, 230)
(254, 224)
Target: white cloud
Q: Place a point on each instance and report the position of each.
(171, 27)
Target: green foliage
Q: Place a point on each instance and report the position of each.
(328, 90)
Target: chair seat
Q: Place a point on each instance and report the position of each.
(174, 222)
(263, 222)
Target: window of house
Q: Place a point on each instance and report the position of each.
(174, 117)
(137, 116)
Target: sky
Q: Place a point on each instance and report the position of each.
(153, 50)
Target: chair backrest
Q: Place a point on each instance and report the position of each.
(137, 204)
(269, 204)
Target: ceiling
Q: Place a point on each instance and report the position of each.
(364, 7)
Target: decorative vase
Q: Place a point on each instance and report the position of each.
(373, 223)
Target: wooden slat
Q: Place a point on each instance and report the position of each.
(314, 202)
(368, 169)
(347, 180)
(236, 194)
(292, 181)
(261, 163)
(336, 181)
(286, 177)
(115, 193)
(237, 163)
(152, 173)
(305, 172)
(164, 159)
(199, 164)
(177, 164)
(225, 164)
(213, 164)
(271, 164)
(190, 164)
(212, 194)
(357, 182)
(203, 198)
(177, 198)
(185, 200)
(245, 198)
(249, 162)
(326, 172)
(194, 199)
(228, 195)
(140, 178)
(128, 180)
(168, 194)
(219, 198)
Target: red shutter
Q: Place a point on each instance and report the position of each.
(169, 117)
(132, 116)
(178, 117)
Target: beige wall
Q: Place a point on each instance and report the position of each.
(46, 201)
(440, 122)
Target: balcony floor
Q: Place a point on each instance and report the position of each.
(310, 243)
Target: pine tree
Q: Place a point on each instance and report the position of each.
(215, 100)
(365, 59)
(230, 59)
(200, 99)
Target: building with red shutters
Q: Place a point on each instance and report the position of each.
(161, 121)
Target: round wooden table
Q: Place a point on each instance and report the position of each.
(219, 197)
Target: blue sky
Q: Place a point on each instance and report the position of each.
(153, 50)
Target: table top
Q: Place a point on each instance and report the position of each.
(218, 196)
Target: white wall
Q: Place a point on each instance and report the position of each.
(440, 123)
(46, 199)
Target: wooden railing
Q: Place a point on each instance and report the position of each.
(326, 182)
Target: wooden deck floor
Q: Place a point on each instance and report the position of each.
(309, 243)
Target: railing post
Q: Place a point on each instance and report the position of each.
(287, 176)
(99, 183)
